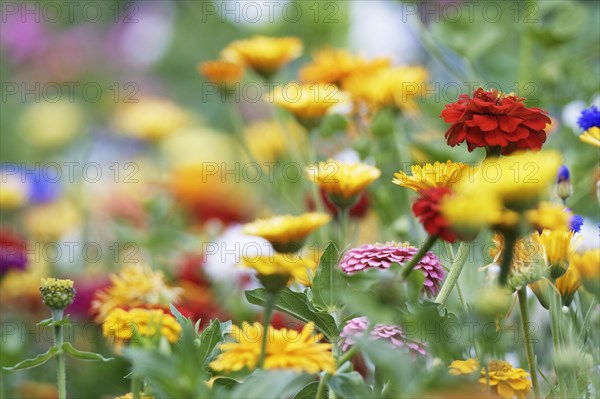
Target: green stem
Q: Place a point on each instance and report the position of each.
(136, 386)
(344, 219)
(379, 382)
(269, 306)
(554, 323)
(522, 295)
(455, 269)
(57, 315)
(509, 247)
(323, 386)
(408, 267)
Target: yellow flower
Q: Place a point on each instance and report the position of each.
(458, 367)
(341, 180)
(48, 222)
(431, 175)
(458, 210)
(507, 381)
(568, 284)
(292, 267)
(130, 396)
(335, 65)
(14, 192)
(558, 246)
(550, 216)
(149, 119)
(264, 54)
(51, 124)
(121, 324)
(268, 140)
(587, 265)
(135, 285)
(518, 181)
(286, 349)
(221, 72)
(591, 136)
(287, 233)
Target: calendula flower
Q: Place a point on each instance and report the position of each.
(149, 119)
(356, 327)
(568, 284)
(591, 136)
(268, 140)
(135, 285)
(57, 293)
(342, 181)
(587, 265)
(265, 55)
(308, 102)
(13, 252)
(121, 325)
(564, 188)
(429, 175)
(382, 256)
(558, 246)
(507, 381)
(287, 233)
(49, 221)
(462, 367)
(287, 267)
(335, 65)
(221, 72)
(495, 120)
(286, 349)
(550, 216)
(427, 209)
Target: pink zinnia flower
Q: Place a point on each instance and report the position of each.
(381, 256)
(393, 334)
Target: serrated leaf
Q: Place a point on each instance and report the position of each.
(36, 361)
(328, 281)
(349, 385)
(308, 392)
(296, 304)
(76, 353)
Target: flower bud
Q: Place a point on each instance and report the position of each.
(564, 188)
(57, 293)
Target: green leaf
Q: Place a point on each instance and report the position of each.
(209, 339)
(328, 281)
(349, 385)
(51, 323)
(270, 385)
(296, 304)
(36, 361)
(225, 382)
(76, 353)
(308, 392)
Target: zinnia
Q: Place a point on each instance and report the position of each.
(493, 119)
(428, 209)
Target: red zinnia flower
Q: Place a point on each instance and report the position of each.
(492, 119)
(427, 209)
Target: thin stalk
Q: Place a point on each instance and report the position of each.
(509, 247)
(522, 295)
(408, 267)
(61, 375)
(455, 269)
(269, 306)
(556, 338)
(379, 382)
(136, 386)
(344, 221)
(323, 386)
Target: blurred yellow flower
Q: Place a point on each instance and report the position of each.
(591, 136)
(507, 381)
(50, 221)
(286, 349)
(458, 210)
(294, 267)
(51, 124)
(341, 179)
(335, 65)
(587, 265)
(568, 284)
(458, 367)
(268, 140)
(135, 285)
(558, 247)
(264, 54)
(431, 175)
(23, 287)
(287, 233)
(121, 324)
(14, 191)
(221, 72)
(149, 119)
(550, 216)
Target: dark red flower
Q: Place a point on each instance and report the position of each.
(13, 254)
(492, 119)
(358, 210)
(427, 209)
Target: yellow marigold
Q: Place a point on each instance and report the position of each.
(264, 54)
(458, 367)
(518, 181)
(50, 221)
(268, 141)
(591, 136)
(221, 72)
(149, 119)
(121, 324)
(287, 233)
(309, 102)
(550, 216)
(286, 349)
(335, 65)
(341, 179)
(294, 267)
(507, 381)
(135, 285)
(558, 246)
(587, 265)
(431, 175)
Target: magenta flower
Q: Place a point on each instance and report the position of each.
(381, 256)
(393, 334)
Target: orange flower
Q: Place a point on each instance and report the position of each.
(221, 72)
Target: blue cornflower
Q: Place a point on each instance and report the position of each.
(589, 117)
(576, 223)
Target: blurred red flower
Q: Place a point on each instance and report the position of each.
(427, 209)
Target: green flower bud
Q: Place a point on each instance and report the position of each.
(57, 293)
